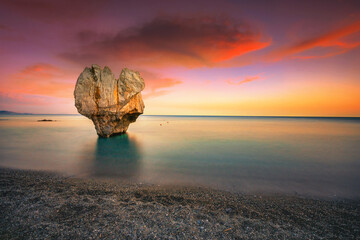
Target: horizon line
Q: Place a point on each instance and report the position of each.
(188, 115)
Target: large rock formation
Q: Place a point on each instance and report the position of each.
(112, 104)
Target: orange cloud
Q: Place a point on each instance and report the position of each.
(240, 81)
(156, 85)
(333, 41)
(40, 79)
(171, 41)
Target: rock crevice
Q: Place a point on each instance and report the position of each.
(112, 104)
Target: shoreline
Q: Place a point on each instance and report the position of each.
(37, 204)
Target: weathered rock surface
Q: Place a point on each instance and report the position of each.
(112, 104)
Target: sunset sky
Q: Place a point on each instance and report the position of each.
(297, 58)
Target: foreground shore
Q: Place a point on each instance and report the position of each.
(39, 205)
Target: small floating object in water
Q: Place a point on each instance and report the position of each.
(46, 120)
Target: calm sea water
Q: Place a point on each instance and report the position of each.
(308, 156)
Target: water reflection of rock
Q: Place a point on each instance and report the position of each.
(118, 156)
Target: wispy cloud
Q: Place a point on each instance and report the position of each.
(242, 80)
(41, 79)
(22, 99)
(157, 85)
(333, 42)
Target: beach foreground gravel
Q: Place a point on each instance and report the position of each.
(40, 205)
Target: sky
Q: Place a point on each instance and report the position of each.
(242, 58)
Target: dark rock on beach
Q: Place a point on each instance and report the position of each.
(46, 120)
(38, 205)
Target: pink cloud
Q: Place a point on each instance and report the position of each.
(241, 80)
(157, 85)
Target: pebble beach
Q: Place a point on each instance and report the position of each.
(43, 205)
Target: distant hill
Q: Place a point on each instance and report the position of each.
(13, 113)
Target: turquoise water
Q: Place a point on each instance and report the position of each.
(307, 156)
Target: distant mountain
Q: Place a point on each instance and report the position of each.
(13, 113)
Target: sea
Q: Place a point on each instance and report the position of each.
(305, 156)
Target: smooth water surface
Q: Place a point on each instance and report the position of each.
(308, 156)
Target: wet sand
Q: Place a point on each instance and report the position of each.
(41, 205)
